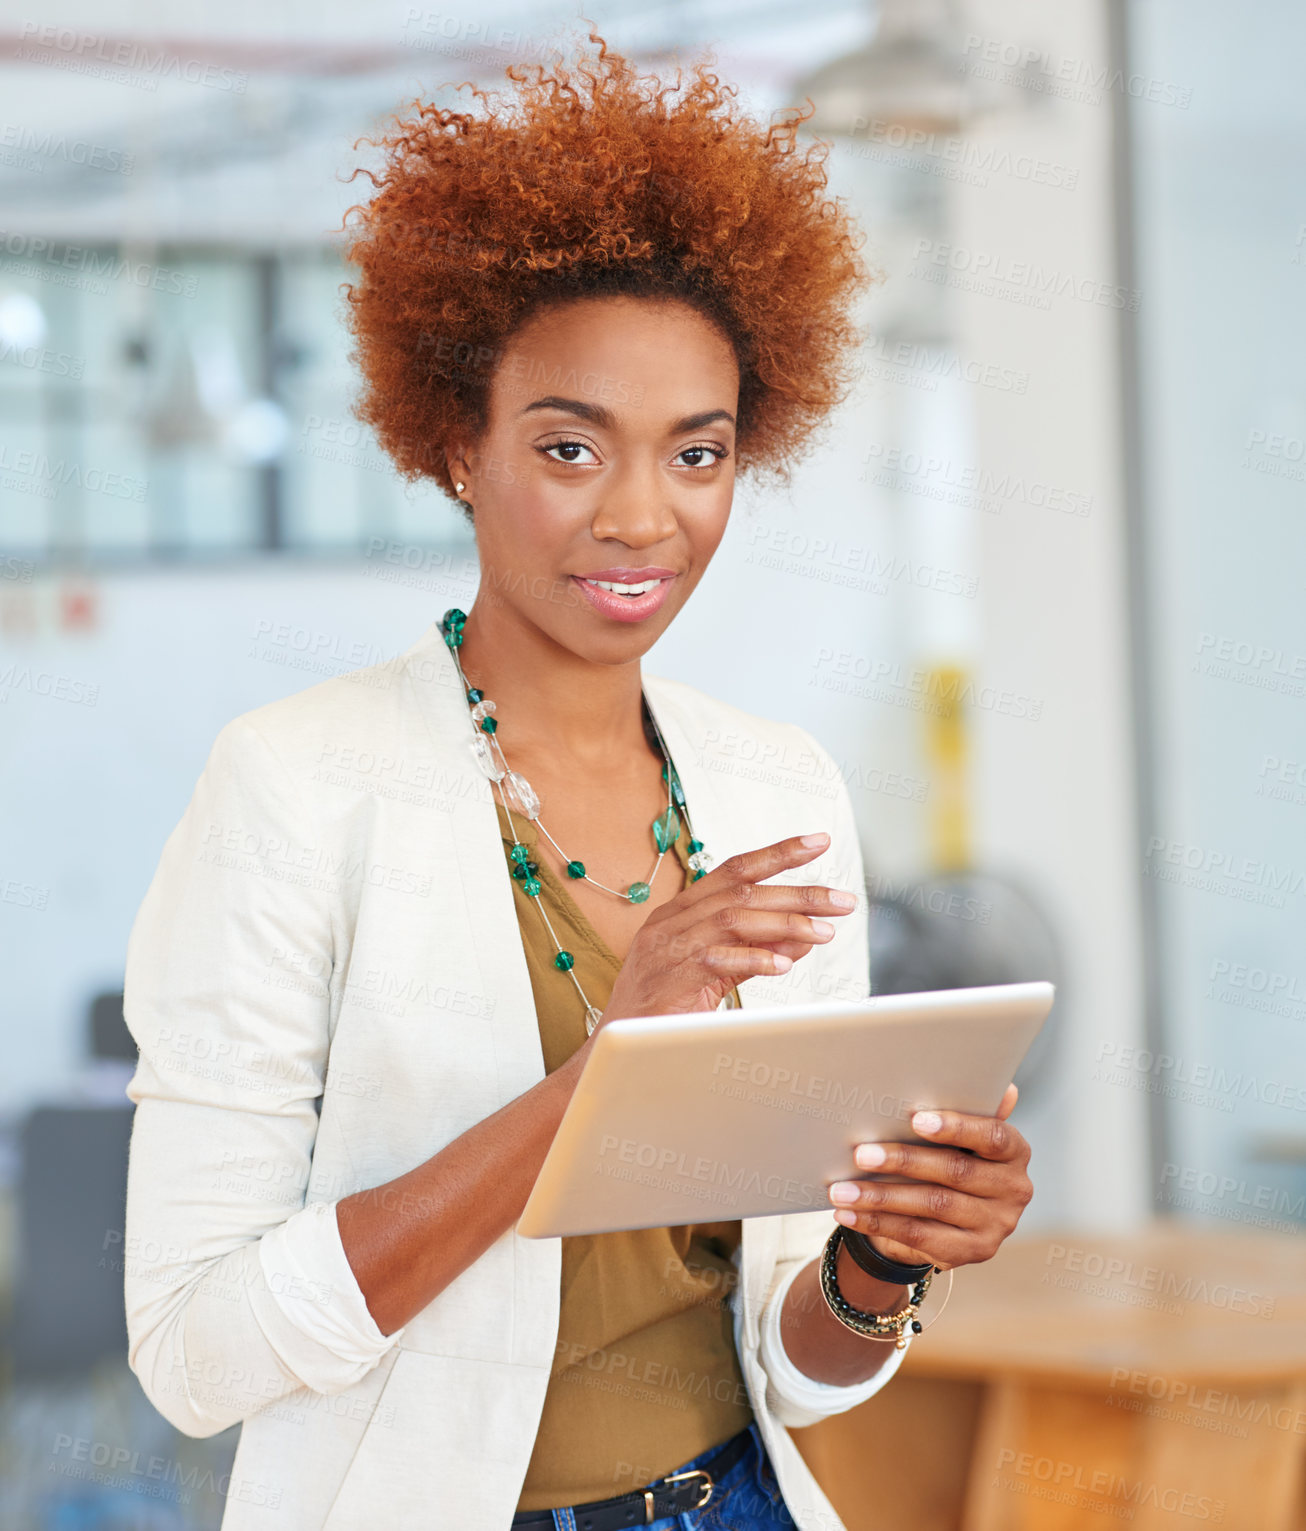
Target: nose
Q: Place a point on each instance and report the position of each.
(635, 509)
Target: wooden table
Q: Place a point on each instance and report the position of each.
(1081, 1380)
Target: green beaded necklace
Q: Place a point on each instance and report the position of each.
(515, 791)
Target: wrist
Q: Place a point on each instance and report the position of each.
(867, 1292)
(897, 1323)
(564, 1077)
(879, 1265)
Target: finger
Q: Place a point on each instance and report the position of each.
(936, 1242)
(933, 1201)
(739, 962)
(734, 926)
(791, 949)
(988, 1136)
(802, 898)
(940, 1166)
(753, 866)
(763, 927)
(1008, 1103)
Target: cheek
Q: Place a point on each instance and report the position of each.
(524, 539)
(705, 525)
(524, 524)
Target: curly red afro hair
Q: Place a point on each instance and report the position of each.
(591, 182)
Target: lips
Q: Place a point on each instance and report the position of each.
(625, 608)
(627, 574)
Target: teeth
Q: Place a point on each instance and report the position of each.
(607, 584)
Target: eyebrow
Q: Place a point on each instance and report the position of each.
(596, 414)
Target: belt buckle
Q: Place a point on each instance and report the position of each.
(708, 1487)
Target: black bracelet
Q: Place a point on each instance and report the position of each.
(876, 1326)
(880, 1266)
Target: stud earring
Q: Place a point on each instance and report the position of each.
(460, 486)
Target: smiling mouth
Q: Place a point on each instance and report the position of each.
(626, 600)
(616, 588)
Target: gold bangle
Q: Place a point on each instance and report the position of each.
(877, 1326)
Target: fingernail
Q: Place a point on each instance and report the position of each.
(846, 1191)
(844, 900)
(927, 1121)
(781, 963)
(822, 927)
(819, 839)
(869, 1156)
(848, 1219)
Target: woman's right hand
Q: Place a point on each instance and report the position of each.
(725, 927)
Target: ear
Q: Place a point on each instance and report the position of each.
(455, 462)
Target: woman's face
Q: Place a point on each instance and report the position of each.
(609, 456)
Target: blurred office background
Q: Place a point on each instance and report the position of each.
(1040, 590)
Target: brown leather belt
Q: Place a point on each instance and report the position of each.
(672, 1495)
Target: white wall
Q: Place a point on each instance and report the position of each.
(1056, 799)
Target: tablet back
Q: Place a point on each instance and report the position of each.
(747, 1113)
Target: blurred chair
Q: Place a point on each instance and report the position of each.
(71, 1195)
(960, 930)
(109, 1035)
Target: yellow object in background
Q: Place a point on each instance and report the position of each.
(947, 750)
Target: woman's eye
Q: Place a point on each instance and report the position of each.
(570, 452)
(568, 448)
(700, 453)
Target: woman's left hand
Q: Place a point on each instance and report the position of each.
(956, 1208)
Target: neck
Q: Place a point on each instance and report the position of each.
(552, 702)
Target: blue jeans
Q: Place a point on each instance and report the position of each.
(747, 1498)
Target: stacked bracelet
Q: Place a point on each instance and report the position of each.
(880, 1266)
(878, 1326)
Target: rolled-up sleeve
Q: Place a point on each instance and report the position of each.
(237, 1292)
(796, 1399)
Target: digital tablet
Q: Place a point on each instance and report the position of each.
(752, 1112)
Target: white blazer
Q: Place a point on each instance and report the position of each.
(327, 984)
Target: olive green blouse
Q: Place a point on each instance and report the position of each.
(645, 1374)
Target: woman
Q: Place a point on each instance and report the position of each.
(365, 978)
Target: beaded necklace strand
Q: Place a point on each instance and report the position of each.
(515, 791)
